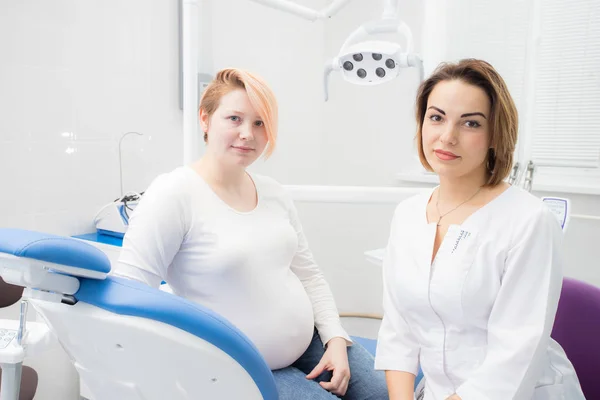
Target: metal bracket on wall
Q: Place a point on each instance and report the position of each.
(514, 174)
(528, 184)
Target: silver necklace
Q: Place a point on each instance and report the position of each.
(438, 208)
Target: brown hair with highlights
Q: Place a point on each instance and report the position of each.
(504, 120)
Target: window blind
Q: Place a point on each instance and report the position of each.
(566, 126)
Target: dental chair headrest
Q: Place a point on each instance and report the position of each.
(63, 254)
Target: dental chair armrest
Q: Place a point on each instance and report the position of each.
(22, 248)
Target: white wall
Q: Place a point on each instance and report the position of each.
(282, 49)
(74, 76)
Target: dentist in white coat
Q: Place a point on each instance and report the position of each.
(473, 269)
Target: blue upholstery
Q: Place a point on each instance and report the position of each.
(102, 238)
(51, 248)
(371, 345)
(127, 297)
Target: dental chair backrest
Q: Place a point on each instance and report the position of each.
(127, 340)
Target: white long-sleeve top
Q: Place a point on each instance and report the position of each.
(254, 268)
(478, 319)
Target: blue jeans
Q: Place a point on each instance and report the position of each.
(365, 383)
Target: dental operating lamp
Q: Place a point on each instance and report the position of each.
(372, 62)
(363, 60)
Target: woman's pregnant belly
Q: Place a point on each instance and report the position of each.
(286, 326)
(276, 314)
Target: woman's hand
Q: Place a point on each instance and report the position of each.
(335, 359)
(454, 397)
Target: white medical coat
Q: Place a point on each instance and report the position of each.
(478, 319)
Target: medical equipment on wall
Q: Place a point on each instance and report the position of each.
(113, 218)
(363, 60)
(126, 339)
(123, 136)
(560, 206)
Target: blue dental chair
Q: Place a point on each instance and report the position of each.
(127, 340)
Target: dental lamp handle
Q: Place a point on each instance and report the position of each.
(412, 60)
(416, 61)
(330, 66)
(405, 30)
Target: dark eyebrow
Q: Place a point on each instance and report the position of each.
(438, 109)
(472, 114)
(462, 116)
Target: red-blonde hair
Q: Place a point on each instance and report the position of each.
(259, 93)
